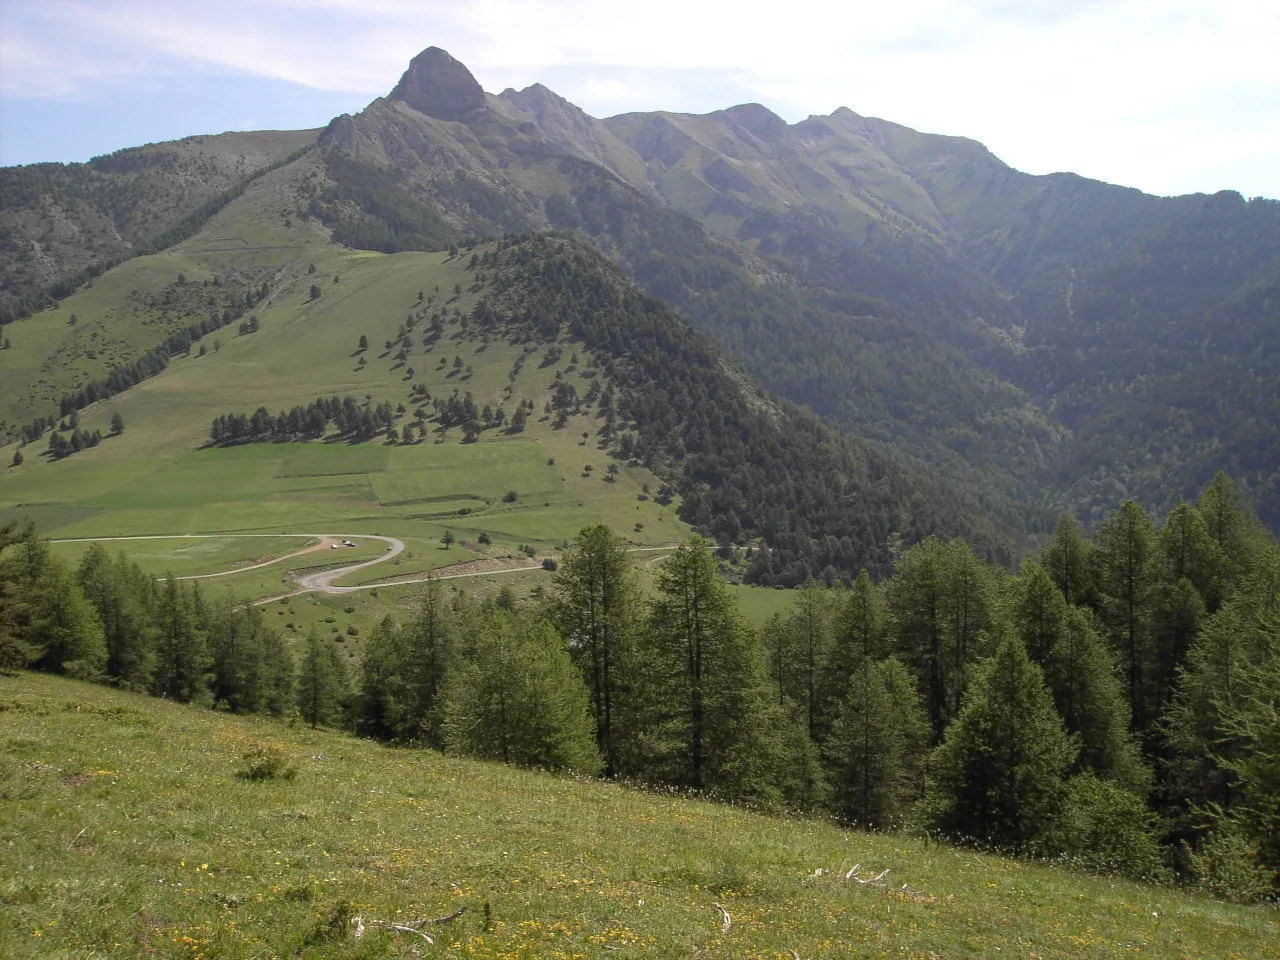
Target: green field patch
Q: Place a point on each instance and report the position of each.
(47, 517)
(186, 556)
(320, 459)
(486, 470)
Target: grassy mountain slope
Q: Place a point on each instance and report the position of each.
(61, 222)
(628, 408)
(155, 479)
(1040, 342)
(127, 833)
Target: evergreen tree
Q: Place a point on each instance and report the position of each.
(1230, 647)
(1235, 530)
(860, 632)
(182, 662)
(709, 723)
(940, 602)
(1081, 674)
(999, 776)
(319, 686)
(877, 746)
(595, 608)
(51, 624)
(1125, 565)
(519, 699)
(799, 647)
(1069, 560)
(382, 701)
(123, 596)
(1251, 722)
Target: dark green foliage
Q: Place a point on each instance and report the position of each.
(708, 723)
(45, 621)
(745, 465)
(875, 755)
(321, 684)
(597, 611)
(1104, 828)
(999, 776)
(125, 600)
(518, 698)
(1081, 675)
(1125, 571)
(181, 658)
(940, 601)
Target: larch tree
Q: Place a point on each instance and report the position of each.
(876, 750)
(999, 776)
(519, 698)
(596, 608)
(1125, 569)
(319, 686)
(710, 723)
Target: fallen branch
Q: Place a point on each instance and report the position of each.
(726, 921)
(853, 875)
(387, 924)
(453, 916)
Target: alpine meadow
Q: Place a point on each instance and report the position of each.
(479, 529)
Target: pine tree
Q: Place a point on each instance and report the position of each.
(1069, 560)
(382, 701)
(319, 689)
(519, 698)
(940, 602)
(1081, 675)
(1125, 573)
(51, 624)
(1251, 722)
(860, 632)
(1236, 531)
(799, 647)
(1211, 687)
(182, 661)
(596, 608)
(710, 724)
(998, 778)
(876, 750)
(123, 596)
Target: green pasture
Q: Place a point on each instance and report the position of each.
(190, 556)
(126, 832)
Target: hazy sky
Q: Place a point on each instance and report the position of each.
(1172, 96)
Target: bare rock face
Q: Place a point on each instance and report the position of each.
(440, 86)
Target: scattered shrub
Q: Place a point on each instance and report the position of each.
(266, 761)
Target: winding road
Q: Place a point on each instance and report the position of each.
(322, 581)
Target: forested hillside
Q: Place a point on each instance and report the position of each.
(1037, 343)
(910, 287)
(1111, 706)
(64, 224)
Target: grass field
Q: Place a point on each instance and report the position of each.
(125, 832)
(157, 479)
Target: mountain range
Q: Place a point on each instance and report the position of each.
(1017, 345)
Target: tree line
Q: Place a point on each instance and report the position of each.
(353, 419)
(1111, 705)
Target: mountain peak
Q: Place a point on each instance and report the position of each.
(439, 86)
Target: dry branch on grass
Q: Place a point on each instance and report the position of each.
(412, 928)
(726, 921)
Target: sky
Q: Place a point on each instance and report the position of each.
(1170, 96)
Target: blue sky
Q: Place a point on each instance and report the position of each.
(1171, 96)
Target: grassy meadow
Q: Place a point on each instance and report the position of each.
(126, 832)
(157, 479)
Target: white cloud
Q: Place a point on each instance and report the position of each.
(1156, 93)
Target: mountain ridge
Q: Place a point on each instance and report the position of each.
(911, 287)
